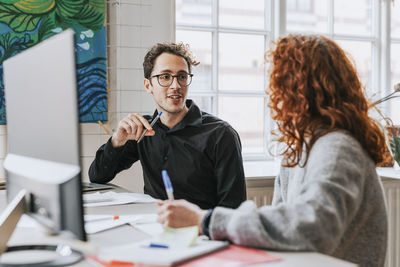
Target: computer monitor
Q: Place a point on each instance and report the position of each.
(43, 162)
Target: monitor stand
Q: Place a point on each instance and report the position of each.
(9, 218)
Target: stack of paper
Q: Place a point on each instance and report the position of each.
(112, 198)
(97, 223)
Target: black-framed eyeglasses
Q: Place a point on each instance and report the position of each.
(166, 79)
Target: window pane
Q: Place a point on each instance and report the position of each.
(204, 102)
(200, 44)
(193, 12)
(395, 67)
(246, 115)
(353, 17)
(360, 53)
(395, 110)
(395, 19)
(241, 62)
(236, 13)
(307, 16)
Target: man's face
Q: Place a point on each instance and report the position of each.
(170, 99)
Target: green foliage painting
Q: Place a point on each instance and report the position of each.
(24, 23)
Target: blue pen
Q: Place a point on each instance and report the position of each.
(168, 185)
(154, 245)
(152, 124)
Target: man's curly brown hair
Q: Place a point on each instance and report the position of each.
(314, 89)
(179, 49)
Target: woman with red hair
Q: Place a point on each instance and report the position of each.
(328, 196)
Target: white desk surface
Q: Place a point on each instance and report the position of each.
(126, 234)
(268, 170)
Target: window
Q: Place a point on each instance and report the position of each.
(349, 23)
(229, 38)
(395, 60)
(300, 6)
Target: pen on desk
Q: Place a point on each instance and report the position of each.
(152, 124)
(155, 245)
(168, 185)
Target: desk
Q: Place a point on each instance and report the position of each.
(126, 234)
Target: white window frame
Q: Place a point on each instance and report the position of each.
(215, 93)
(275, 26)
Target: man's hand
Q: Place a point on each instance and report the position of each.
(131, 128)
(180, 213)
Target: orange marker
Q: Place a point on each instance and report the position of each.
(112, 263)
(102, 218)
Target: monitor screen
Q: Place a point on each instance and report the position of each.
(43, 134)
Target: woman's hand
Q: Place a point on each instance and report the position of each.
(180, 213)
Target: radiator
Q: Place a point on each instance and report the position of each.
(392, 191)
(261, 193)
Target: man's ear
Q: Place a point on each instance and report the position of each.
(147, 86)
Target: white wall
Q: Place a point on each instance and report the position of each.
(134, 26)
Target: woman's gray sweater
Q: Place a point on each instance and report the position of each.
(334, 205)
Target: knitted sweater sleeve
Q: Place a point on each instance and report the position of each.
(311, 214)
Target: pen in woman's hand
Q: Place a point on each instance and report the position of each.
(168, 185)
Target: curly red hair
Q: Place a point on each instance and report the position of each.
(314, 89)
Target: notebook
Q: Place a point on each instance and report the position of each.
(137, 253)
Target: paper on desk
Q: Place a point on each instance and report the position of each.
(112, 198)
(172, 237)
(234, 256)
(99, 222)
(139, 253)
(28, 222)
(178, 237)
(152, 229)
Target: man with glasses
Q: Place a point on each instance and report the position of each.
(200, 152)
